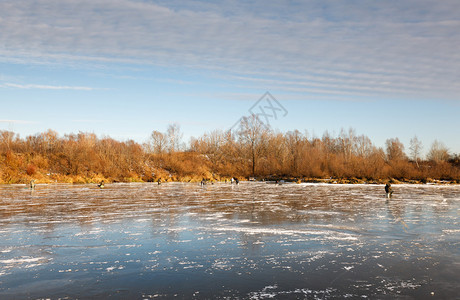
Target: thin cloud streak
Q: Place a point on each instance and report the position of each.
(17, 122)
(88, 121)
(46, 87)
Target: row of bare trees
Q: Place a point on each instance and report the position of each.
(250, 150)
(254, 150)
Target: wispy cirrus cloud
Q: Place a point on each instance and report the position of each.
(88, 121)
(17, 121)
(46, 87)
(391, 48)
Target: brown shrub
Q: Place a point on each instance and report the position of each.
(31, 169)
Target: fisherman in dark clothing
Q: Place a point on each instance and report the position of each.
(388, 190)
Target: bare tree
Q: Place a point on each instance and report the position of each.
(294, 143)
(346, 141)
(252, 135)
(363, 146)
(6, 139)
(157, 142)
(174, 137)
(415, 149)
(438, 152)
(395, 150)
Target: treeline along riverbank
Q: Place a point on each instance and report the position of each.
(251, 152)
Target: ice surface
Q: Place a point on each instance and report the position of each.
(251, 241)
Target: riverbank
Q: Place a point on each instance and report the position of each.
(58, 178)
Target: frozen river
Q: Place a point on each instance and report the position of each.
(251, 241)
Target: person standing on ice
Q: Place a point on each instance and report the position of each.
(388, 190)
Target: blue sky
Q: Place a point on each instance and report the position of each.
(126, 67)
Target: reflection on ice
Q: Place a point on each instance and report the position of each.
(253, 240)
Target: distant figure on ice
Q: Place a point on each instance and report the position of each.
(32, 184)
(388, 190)
(159, 181)
(203, 182)
(232, 180)
(237, 181)
(101, 185)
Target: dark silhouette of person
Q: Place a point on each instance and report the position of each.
(101, 185)
(159, 181)
(388, 190)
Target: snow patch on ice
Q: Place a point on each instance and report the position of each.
(22, 260)
(451, 231)
(326, 234)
